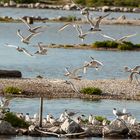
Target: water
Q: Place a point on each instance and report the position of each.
(102, 107)
(20, 12)
(52, 65)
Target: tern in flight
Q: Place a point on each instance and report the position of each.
(19, 49)
(78, 28)
(31, 29)
(133, 72)
(95, 27)
(120, 40)
(72, 74)
(42, 50)
(26, 40)
(92, 64)
(83, 11)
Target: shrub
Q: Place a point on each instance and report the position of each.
(125, 47)
(91, 91)
(101, 118)
(15, 121)
(12, 90)
(71, 18)
(99, 44)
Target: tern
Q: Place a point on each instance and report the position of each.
(4, 103)
(72, 86)
(31, 29)
(72, 74)
(42, 50)
(95, 27)
(19, 49)
(92, 64)
(120, 40)
(118, 113)
(26, 39)
(83, 11)
(133, 72)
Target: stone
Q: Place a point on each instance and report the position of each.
(12, 3)
(37, 5)
(6, 128)
(105, 8)
(136, 10)
(123, 17)
(6, 5)
(10, 74)
(54, 129)
(70, 126)
(66, 7)
(117, 128)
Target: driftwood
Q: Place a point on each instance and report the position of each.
(10, 74)
(60, 135)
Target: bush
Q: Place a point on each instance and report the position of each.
(12, 90)
(125, 47)
(101, 118)
(91, 91)
(15, 121)
(71, 18)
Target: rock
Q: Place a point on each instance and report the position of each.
(116, 128)
(12, 3)
(137, 10)
(70, 126)
(105, 8)
(66, 7)
(6, 128)
(37, 5)
(10, 74)
(54, 129)
(6, 5)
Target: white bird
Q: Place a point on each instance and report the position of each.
(72, 86)
(62, 117)
(78, 120)
(120, 40)
(42, 50)
(73, 24)
(26, 40)
(83, 11)
(72, 74)
(118, 113)
(31, 29)
(4, 103)
(53, 121)
(127, 69)
(48, 117)
(27, 118)
(81, 35)
(92, 64)
(90, 118)
(19, 49)
(95, 27)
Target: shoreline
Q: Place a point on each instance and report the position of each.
(118, 89)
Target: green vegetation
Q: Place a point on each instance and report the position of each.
(131, 3)
(12, 90)
(112, 44)
(91, 91)
(15, 121)
(71, 18)
(101, 118)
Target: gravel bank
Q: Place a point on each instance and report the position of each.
(56, 88)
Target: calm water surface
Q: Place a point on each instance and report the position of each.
(53, 64)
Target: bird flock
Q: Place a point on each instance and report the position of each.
(93, 28)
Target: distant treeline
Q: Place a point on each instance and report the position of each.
(131, 3)
(90, 3)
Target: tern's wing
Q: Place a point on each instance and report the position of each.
(31, 35)
(136, 68)
(98, 62)
(64, 26)
(13, 46)
(127, 36)
(19, 34)
(79, 29)
(132, 76)
(76, 70)
(37, 27)
(76, 4)
(89, 20)
(26, 52)
(105, 15)
(25, 22)
(107, 36)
